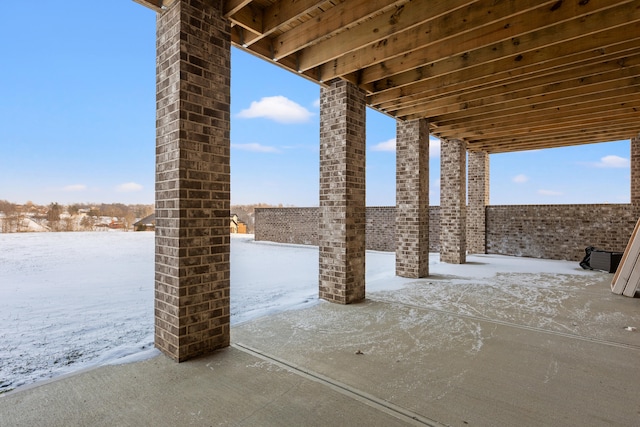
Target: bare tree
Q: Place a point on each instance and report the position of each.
(129, 219)
(53, 216)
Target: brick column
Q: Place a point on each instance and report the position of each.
(453, 203)
(635, 173)
(412, 198)
(192, 179)
(478, 201)
(341, 232)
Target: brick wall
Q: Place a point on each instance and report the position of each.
(381, 231)
(558, 231)
(287, 225)
(538, 231)
(300, 226)
(634, 156)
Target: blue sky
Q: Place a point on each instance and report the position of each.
(77, 123)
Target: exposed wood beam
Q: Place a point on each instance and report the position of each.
(379, 29)
(617, 116)
(552, 143)
(233, 6)
(574, 71)
(538, 47)
(249, 18)
(537, 64)
(569, 98)
(555, 140)
(556, 115)
(560, 86)
(157, 5)
(282, 13)
(339, 18)
(285, 11)
(502, 75)
(593, 113)
(506, 25)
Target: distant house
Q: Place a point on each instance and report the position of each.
(236, 226)
(115, 224)
(148, 223)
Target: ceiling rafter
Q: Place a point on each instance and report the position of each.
(378, 31)
(263, 21)
(554, 87)
(536, 47)
(232, 7)
(552, 140)
(502, 75)
(522, 106)
(339, 18)
(537, 65)
(540, 123)
(157, 5)
(505, 25)
(595, 122)
(530, 117)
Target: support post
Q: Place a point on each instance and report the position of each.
(192, 179)
(412, 198)
(635, 173)
(342, 221)
(478, 201)
(453, 202)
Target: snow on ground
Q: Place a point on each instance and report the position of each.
(70, 301)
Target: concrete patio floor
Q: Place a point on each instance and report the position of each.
(519, 349)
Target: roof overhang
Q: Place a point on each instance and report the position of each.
(501, 75)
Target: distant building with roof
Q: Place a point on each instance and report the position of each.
(148, 223)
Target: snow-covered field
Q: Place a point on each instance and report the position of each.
(69, 301)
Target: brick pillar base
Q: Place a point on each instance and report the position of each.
(478, 201)
(341, 232)
(192, 180)
(412, 198)
(453, 203)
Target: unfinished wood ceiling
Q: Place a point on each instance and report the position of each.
(501, 75)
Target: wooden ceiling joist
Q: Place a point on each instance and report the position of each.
(470, 80)
(157, 5)
(502, 75)
(553, 88)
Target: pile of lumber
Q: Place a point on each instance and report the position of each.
(627, 278)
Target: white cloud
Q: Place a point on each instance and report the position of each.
(549, 193)
(388, 145)
(278, 108)
(316, 103)
(75, 187)
(520, 178)
(128, 187)
(612, 162)
(255, 147)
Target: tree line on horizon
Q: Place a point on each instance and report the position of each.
(15, 217)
